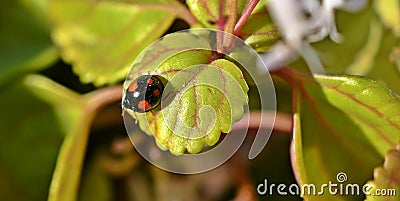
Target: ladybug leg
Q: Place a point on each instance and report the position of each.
(136, 121)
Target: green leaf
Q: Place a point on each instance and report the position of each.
(207, 104)
(207, 11)
(259, 32)
(389, 12)
(67, 174)
(25, 43)
(189, 109)
(386, 178)
(66, 103)
(73, 114)
(102, 38)
(33, 126)
(73, 120)
(169, 46)
(342, 124)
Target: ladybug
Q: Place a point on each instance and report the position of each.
(144, 93)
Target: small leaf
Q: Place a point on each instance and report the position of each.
(259, 32)
(343, 124)
(389, 12)
(386, 178)
(102, 38)
(207, 11)
(208, 103)
(25, 43)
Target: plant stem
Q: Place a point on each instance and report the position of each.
(100, 98)
(220, 23)
(246, 14)
(283, 122)
(67, 174)
(231, 9)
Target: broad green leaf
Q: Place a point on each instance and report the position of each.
(102, 38)
(386, 179)
(170, 45)
(389, 13)
(207, 11)
(342, 124)
(297, 149)
(33, 124)
(211, 99)
(25, 43)
(259, 32)
(194, 104)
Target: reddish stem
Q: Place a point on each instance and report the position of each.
(220, 23)
(283, 122)
(103, 97)
(246, 14)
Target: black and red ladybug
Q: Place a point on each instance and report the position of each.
(144, 93)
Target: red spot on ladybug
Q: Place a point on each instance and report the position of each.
(150, 81)
(143, 94)
(133, 86)
(156, 92)
(144, 105)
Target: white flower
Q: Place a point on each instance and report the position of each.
(301, 22)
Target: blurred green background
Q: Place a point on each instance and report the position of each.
(49, 60)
